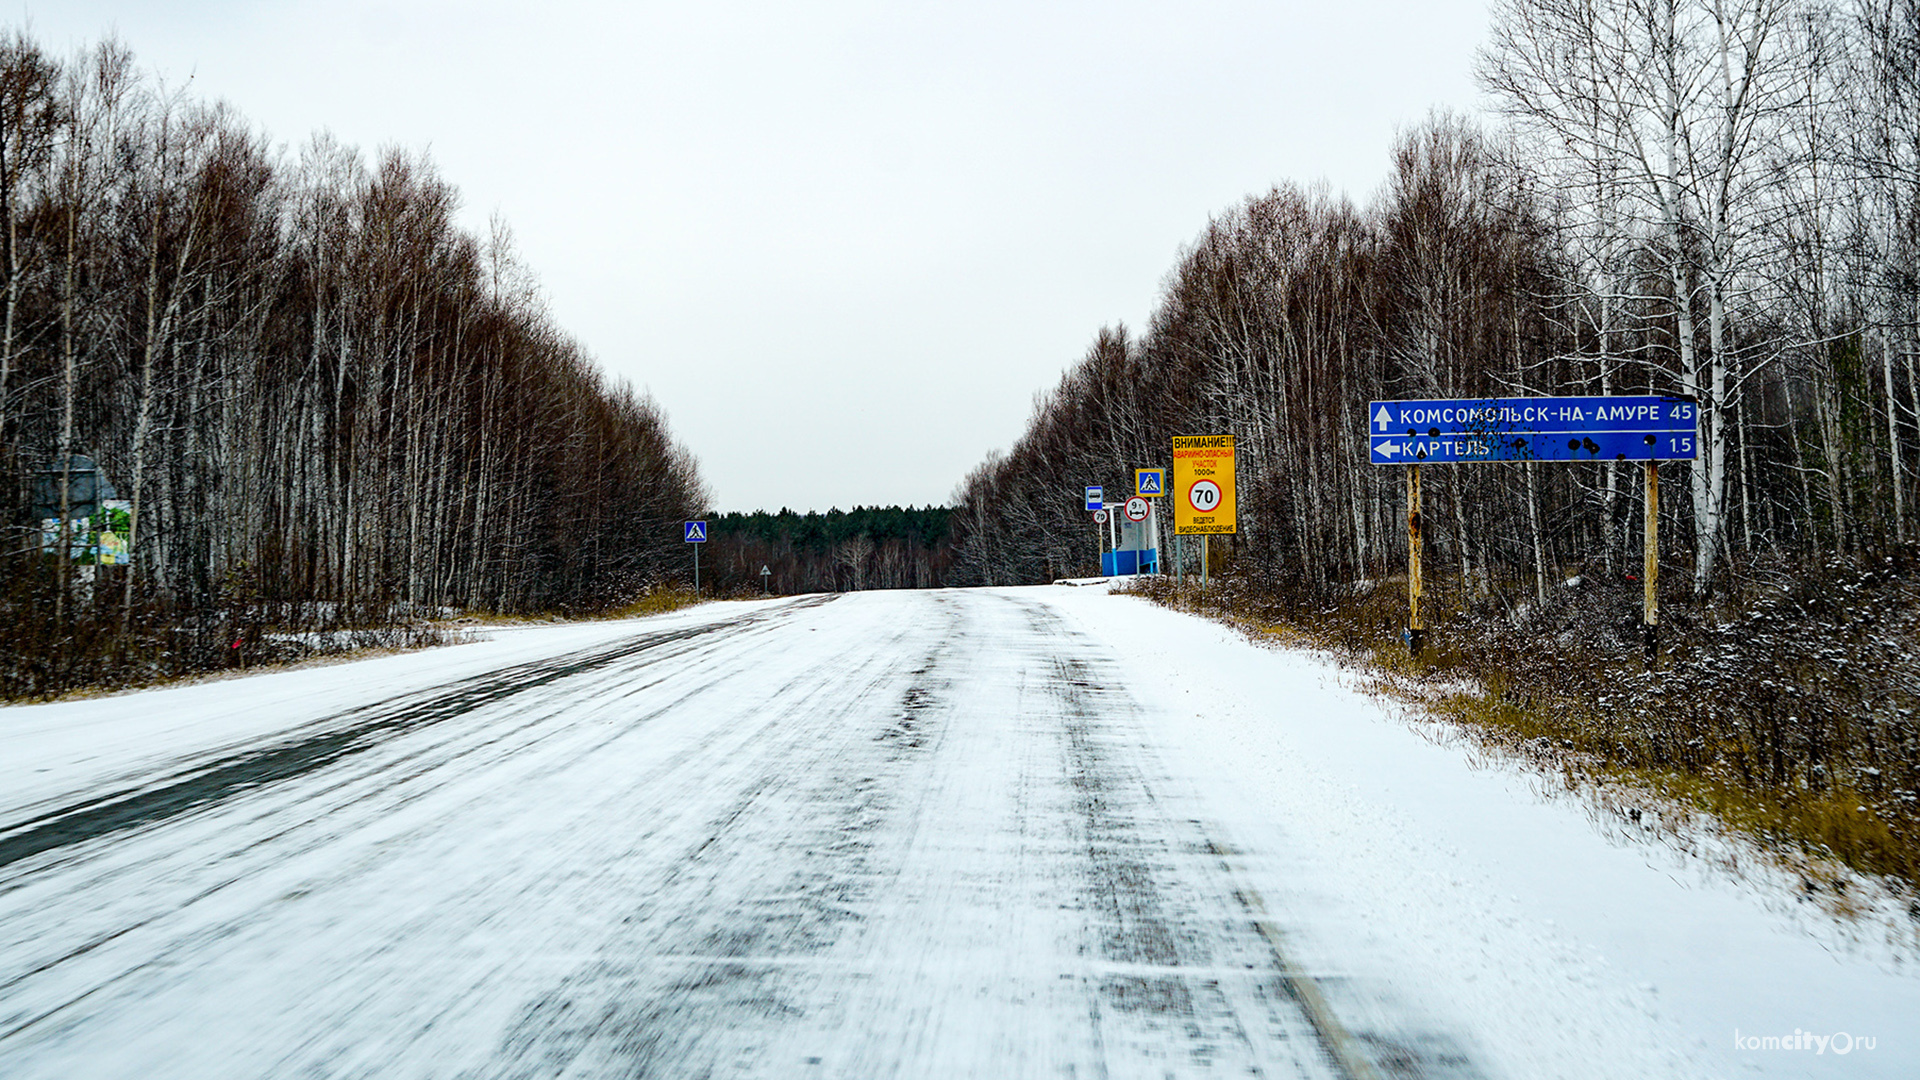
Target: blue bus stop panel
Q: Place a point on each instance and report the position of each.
(1128, 561)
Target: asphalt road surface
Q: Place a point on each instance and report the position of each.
(886, 835)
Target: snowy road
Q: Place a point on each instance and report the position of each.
(900, 834)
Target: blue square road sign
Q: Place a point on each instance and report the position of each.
(696, 532)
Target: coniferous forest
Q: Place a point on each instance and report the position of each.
(324, 407)
(868, 547)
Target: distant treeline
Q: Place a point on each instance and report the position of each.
(324, 403)
(890, 547)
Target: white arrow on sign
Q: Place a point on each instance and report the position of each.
(1388, 449)
(1382, 418)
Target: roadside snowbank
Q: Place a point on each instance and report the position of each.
(72, 747)
(1563, 951)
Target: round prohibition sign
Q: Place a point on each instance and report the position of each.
(1099, 517)
(1204, 496)
(1137, 509)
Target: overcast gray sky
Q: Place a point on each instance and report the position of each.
(842, 243)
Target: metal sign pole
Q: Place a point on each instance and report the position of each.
(1153, 518)
(696, 569)
(1206, 548)
(1415, 632)
(1093, 499)
(1650, 618)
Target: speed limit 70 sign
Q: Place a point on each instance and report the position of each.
(1203, 485)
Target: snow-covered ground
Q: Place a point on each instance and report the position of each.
(54, 751)
(1409, 864)
(995, 833)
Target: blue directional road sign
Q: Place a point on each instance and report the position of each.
(1533, 429)
(696, 532)
(1094, 495)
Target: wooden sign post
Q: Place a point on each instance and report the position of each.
(1416, 633)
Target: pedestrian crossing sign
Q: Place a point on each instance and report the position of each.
(1149, 483)
(696, 532)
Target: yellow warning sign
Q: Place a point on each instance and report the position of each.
(1203, 485)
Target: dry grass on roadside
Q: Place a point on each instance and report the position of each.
(367, 646)
(253, 642)
(653, 600)
(657, 601)
(1777, 738)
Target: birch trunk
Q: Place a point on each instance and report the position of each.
(1894, 452)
